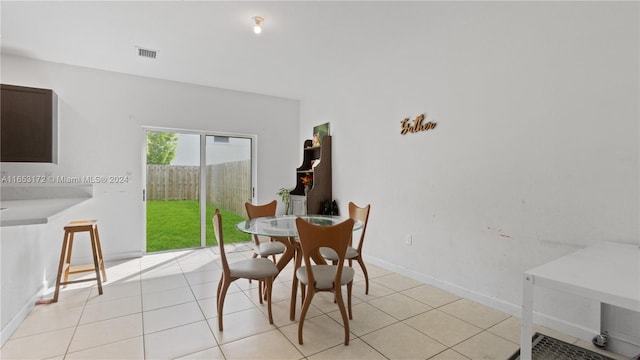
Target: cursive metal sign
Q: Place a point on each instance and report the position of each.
(416, 126)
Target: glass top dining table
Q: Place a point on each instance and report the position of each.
(283, 228)
(285, 225)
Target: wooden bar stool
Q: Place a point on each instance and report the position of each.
(65, 257)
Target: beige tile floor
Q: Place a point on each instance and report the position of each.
(162, 306)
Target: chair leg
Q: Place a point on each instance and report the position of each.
(269, 284)
(264, 294)
(334, 262)
(305, 308)
(349, 288)
(219, 289)
(343, 312)
(366, 274)
(253, 257)
(260, 287)
(223, 293)
(294, 285)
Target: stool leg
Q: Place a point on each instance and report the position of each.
(95, 259)
(63, 254)
(68, 260)
(100, 258)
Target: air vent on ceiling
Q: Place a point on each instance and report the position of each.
(147, 53)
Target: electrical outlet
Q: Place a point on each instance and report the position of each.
(408, 240)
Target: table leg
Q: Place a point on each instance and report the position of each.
(289, 253)
(527, 317)
(294, 285)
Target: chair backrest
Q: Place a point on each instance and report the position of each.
(362, 214)
(313, 237)
(217, 230)
(256, 211)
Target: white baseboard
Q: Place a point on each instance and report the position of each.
(14, 323)
(111, 257)
(124, 255)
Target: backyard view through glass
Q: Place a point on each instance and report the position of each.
(173, 191)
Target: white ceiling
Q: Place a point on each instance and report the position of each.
(213, 44)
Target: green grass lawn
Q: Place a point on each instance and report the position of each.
(176, 225)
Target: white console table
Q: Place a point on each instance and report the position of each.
(607, 272)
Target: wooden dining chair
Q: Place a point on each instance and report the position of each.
(272, 247)
(315, 278)
(353, 253)
(264, 249)
(257, 269)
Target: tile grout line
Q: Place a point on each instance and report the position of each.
(144, 343)
(75, 329)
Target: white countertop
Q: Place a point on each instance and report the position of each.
(30, 205)
(607, 271)
(31, 212)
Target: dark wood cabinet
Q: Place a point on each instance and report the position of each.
(316, 162)
(28, 124)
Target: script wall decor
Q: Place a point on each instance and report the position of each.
(416, 126)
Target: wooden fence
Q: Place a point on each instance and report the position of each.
(228, 184)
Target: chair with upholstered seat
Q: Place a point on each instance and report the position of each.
(356, 213)
(257, 269)
(315, 278)
(270, 248)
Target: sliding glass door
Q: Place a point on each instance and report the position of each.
(188, 175)
(228, 184)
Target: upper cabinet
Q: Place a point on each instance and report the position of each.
(28, 124)
(316, 168)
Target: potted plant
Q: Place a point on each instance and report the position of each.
(284, 194)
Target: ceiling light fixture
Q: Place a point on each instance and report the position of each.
(257, 28)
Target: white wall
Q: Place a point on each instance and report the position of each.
(29, 263)
(101, 119)
(535, 154)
